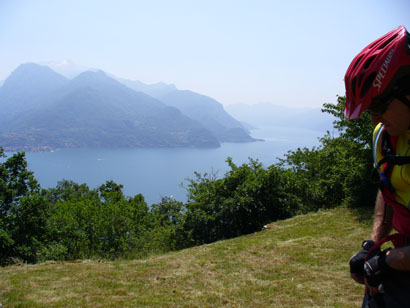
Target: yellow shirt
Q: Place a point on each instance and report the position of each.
(400, 178)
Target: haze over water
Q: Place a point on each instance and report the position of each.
(156, 173)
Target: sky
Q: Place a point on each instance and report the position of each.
(292, 53)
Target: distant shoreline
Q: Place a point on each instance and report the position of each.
(28, 149)
(34, 149)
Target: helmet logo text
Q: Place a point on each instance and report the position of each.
(377, 83)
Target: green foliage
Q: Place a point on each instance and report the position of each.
(15, 181)
(358, 131)
(248, 197)
(28, 223)
(21, 210)
(70, 191)
(167, 232)
(97, 223)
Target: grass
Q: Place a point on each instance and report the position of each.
(299, 262)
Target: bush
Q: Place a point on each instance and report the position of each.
(248, 197)
(52, 251)
(167, 233)
(110, 226)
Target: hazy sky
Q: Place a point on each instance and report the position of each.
(291, 53)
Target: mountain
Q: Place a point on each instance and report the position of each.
(91, 110)
(266, 114)
(26, 87)
(207, 111)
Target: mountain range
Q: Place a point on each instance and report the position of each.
(42, 109)
(204, 109)
(267, 114)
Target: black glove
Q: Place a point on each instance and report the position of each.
(376, 269)
(357, 261)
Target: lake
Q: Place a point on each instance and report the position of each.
(159, 172)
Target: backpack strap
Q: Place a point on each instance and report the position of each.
(388, 147)
(398, 240)
(388, 150)
(395, 160)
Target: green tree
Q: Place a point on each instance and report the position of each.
(248, 197)
(23, 211)
(66, 190)
(358, 131)
(28, 225)
(166, 230)
(111, 191)
(98, 223)
(16, 181)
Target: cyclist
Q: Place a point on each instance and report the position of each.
(378, 81)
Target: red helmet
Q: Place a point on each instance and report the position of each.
(375, 70)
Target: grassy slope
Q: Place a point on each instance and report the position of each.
(299, 262)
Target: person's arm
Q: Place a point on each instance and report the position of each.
(399, 258)
(386, 262)
(382, 221)
(382, 225)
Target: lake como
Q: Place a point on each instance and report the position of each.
(157, 173)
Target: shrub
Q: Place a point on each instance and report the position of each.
(248, 197)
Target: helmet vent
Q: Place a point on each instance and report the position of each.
(357, 62)
(387, 42)
(359, 83)
(367, 83)
(368, 62)
(354, 86)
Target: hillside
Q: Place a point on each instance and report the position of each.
(210, 113)
(204, 109)
(42, 109)
(299, 262)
